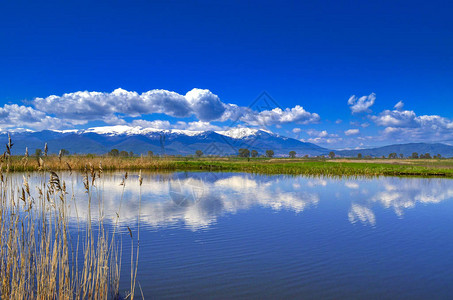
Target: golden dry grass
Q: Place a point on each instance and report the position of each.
(39, 259)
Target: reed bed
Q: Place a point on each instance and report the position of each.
(341, 167)
(40, 257)
(80, 163)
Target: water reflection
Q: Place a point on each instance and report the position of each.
(197, 200)
(405, 194)
(361, 213)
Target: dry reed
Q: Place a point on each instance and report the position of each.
(40, 257)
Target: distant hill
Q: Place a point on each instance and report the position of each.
(100, 140)
(405, 149)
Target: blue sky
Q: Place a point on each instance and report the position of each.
(334, 69)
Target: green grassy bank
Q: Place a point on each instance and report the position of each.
(334, 167)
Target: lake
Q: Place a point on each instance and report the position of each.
(235, 235)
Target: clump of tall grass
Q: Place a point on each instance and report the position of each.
(78, 163)
(40, 258)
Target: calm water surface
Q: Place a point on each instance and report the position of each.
(235, 235)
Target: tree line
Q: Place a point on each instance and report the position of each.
(246, 153)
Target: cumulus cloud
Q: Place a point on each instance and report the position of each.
(297, 115)
(197, 126)
(396, 118)
(352, 132)
(316, 133)
(96, 105)
(297, 130)
(401, 125)
(23, 116)
(405, 125)
(325, 141)
(201, 103)
(16, 114)
(157, 124)
(114, 120)
(205, 105)
(322, 137)
(362, 104)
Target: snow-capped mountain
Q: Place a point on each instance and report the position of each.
(100, 140)
(235, 133)
(241, 132)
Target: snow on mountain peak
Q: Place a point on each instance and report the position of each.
(113, 130)
(136, 130)
(235, 133)
(239, 132)
(15, 130)
(186, 132)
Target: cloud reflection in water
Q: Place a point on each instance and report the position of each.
(197, 200)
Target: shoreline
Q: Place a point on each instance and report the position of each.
(285, 166)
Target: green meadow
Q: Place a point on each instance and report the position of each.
(303, 166)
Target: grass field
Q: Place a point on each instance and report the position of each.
(332, 167)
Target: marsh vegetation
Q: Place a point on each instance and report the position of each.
(40, 257)
(262, 165)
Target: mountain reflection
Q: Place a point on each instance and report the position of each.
(197, 200)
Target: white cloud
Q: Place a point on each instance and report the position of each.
(396, 118)
(113, 120)
(22, 116)
(205, 104)
(297, 130)
(352, 132)
(362, 104)
(201, 103)
(157, 124)
(324, 141)
(405, 125)
(322, 137)
(276, 116)
(96, 105)
(316, 133)
(164, 124)
(197, 126)
(399, 105)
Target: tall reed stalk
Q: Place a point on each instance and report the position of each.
(40, 257)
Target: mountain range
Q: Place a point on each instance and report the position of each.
(405, 149)
(100, 140)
